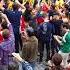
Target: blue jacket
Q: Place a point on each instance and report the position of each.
(14, 18)
(45, 32)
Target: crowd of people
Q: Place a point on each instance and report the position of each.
(26, 29)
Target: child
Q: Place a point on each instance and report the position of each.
(7, 47)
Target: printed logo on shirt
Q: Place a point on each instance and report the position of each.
(29, 68)
(44, 28)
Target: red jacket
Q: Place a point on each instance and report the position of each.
(22, 24)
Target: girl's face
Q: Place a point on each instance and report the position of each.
(34, 12)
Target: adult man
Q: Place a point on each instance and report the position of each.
(65, 43)
(45, 32)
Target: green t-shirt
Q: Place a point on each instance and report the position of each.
(65, 47)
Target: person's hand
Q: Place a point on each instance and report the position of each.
(57, 39)
(16, 1)
(5, 18)
(17, 56)
(55, 36)
(24, 36)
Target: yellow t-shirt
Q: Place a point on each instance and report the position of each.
(61, 2)
(10, 5)
(57, 4)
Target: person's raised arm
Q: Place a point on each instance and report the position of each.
(2, 9)
(5, 17)
(21, 5)
(8, 23)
